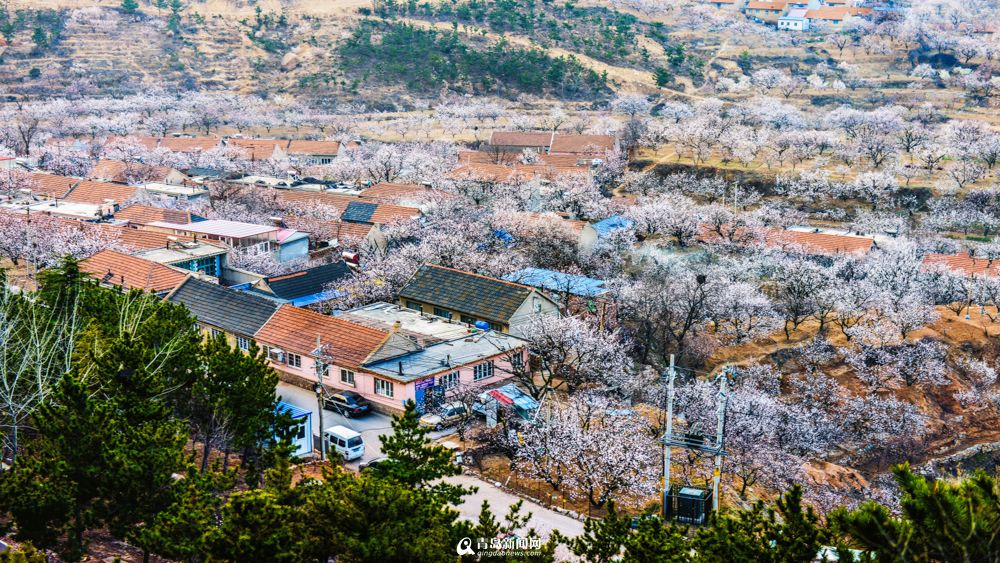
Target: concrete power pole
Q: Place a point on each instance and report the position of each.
(668, 436)
(320, 362)
(716, 447)
(720, 434)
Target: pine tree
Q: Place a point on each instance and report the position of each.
(939, 521)
(414, 461)
(130, 6)
(786, 533)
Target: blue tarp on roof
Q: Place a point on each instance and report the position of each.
(552, 280)
(613, 223)
(359, 212)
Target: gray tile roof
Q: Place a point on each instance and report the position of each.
(474, 295)
(230, 310)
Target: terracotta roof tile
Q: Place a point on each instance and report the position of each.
(314, 147)
(964, 263)
(391, 191)
(131, 272)
(144, 214)
(52, 185)
(189, 144)
(294, 330)
(778, 6)
(117, 171)
(384, 212)
(89, 191)
(819, 243)
(521, 138)
(258, 149)
(582, 144)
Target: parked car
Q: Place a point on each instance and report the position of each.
(347, 403)
(448, 414)
(345, 442)
(372, 463)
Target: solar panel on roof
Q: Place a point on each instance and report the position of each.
(359, 212)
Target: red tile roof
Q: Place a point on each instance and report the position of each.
(131, 272)
(775, 6)
(392, 192)
(52, 185)
(294, 329)
(521, 138)
(258, 149)
(145, 214)
(818, 243)
(964, 263)
(582, 144)
(314, 147)
(383, 214)
(189, 144)
(89, 191)
(116, 171)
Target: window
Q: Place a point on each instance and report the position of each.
(468, 320)
(243, 342)
(496, 327)
(449, 380)
(347, 376)
(415, 306)
(383, 387)
(295, 360)
(536, 304)
(442, 313)
(217, 333)
(517, 360)
(482, 371)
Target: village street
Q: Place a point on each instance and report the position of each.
(543, 519)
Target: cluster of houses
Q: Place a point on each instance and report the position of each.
(449, 328)
(797, 15)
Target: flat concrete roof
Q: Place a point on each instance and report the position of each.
(387, 314)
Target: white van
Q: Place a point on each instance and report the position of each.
(344, 441)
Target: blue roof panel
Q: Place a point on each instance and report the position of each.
(359, 212)
(613, 223)
(293, 410)
(552, 280)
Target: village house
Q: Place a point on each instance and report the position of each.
(302, 288)
(431, 358)
(584, 147)
(794, 20)
(102, 193)
(286, 244)
(135, 173)
(835, 16)
(51, 186)
(221, 311)
(189, 144)
(260, 149)
(115, 269)
(768, 12)
(310, 153)
(471, 298)
(964, 263)
(198, 256)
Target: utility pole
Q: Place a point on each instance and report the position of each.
(667, 449)
(320, 359)
(695, 442)
(720, 434)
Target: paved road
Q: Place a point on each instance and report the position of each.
(371, 426)
(543, 520)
